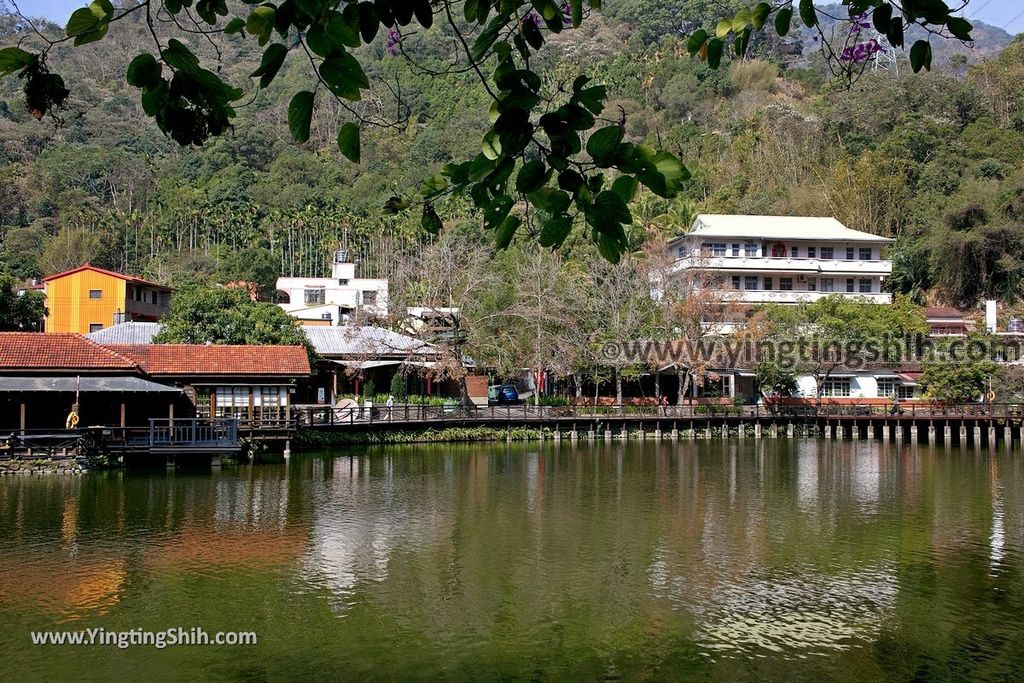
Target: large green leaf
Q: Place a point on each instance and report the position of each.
(348, 141)
(300, 113)
(271, 63)
(497, 210)
(433, 186)
(921, 55)
(550, 199)
(715, 49)
(555, 230)
(808, 14)
(532, 176)
(784, 21)
(610, 205)
(143, 71)
(696, 41)
(601, 145)
(430, 221)
(261, 22)
(179, 56)
(959, 27)
(506, 231)
(626, 187)
(14, 59)
(344, 76)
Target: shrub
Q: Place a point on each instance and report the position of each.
(399, 388)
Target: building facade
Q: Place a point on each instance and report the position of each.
(331, 301)
(88, 299)
(782, 259)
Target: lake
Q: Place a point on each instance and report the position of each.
(711, 560)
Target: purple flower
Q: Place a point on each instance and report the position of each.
(533, 18)
(859, 22)
(861, 52)
(566, 14)
(394, 40)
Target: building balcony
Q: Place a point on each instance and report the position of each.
(792, 296)
(773, 265)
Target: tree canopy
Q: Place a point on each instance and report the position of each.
(20, 312)
(226, 316)
(552, 155)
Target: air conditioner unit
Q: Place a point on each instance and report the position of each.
(801, 278)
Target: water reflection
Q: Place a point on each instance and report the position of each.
(584, 560)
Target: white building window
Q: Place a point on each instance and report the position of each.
(865, 286)
(812, 285)
(682, 252)
(750, 282)
(826, 252)
(888, 387)
(735, 281)
(865, 253)
(794, 252)
(768, 284)
(736, 250)
(828, 284)
(370, 297)
(714, 248)
(836, 388)
(849, 285)
(314, 296)
(811, 252)
(786, 284)
(750, 250)
(849, 253)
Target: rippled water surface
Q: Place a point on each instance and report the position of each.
(716, 560)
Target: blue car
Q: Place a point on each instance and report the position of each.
(503, 394)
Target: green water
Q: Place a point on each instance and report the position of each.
(773, 560)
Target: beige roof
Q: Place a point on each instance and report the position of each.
(779, 227)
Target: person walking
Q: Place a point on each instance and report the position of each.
(390, 403)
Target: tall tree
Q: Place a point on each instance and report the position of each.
(539, 130)
(20, 311)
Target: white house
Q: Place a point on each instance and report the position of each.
(783, 259)
(331, 300)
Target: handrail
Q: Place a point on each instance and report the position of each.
(308, 416)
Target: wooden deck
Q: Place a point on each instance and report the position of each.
(968, 423)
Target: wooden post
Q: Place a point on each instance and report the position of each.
(22, 420)
(251, 405)
(124, 414)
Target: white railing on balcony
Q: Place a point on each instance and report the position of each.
(792, 296)
(786, 265)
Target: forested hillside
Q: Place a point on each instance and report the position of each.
(936, 160)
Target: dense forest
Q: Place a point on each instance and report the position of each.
(935, 160)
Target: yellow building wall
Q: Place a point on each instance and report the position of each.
(69, 308)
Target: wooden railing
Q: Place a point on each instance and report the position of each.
(326, 416)
(193, 432)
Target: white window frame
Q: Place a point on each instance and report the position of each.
(836, 388)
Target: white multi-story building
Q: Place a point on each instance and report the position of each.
(783, 259)
(332, 300)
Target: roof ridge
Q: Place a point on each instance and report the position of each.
(107, 350)
(123, 276)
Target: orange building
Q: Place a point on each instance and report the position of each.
(87, 299)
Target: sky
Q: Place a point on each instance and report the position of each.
(1007, 14)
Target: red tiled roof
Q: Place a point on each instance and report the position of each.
(942, 312)
(214, 359)
(58, 351)
(127, 278)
